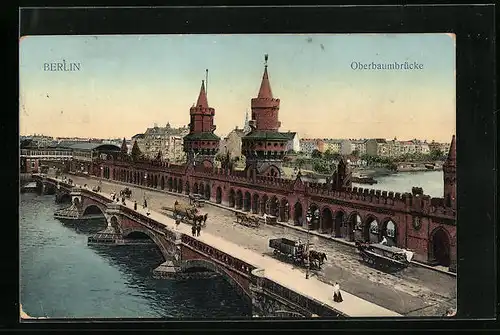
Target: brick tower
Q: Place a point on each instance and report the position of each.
(201, 144)
(449, 176)
(264, 147)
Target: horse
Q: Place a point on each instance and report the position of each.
(240, 217)
(319, 257)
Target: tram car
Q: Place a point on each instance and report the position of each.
(289, 249)
(384, 256)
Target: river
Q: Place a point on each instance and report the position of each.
(430, 181)
(62, 277)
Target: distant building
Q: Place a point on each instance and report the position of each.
(333, 145)
(294, 142)
(232, 142)
(166, 140)
(308, 145)
(376, 147)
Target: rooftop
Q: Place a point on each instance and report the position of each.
(269, 135)
(202, 136)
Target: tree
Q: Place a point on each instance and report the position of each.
(435, 154)
(136, 152)
(355, 153)
(316, 154)
(321, 166)
(124, 148)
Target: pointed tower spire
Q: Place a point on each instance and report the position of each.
(202, 98)
(265, 87)
(452, 154)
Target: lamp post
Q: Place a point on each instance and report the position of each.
(145, 183)
(308, 219)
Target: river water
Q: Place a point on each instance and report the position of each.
(430, 181)
(62, 277)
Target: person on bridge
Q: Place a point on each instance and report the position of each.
(337, 296)
(198, 229)
(135, 205)
(145, 205)
(193, 230)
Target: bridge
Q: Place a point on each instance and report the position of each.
(412, 221)
(272, 286)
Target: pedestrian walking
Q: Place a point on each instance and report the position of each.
(198, 229)
(135, 205)
(177, 221)
(337, 296)
(145, 205)
(193, 230)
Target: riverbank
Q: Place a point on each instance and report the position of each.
(376, 172)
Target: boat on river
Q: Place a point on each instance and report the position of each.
(363, 179)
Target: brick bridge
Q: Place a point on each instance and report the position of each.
(188, 254)
(413, 221)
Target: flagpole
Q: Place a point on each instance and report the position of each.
(206, 80)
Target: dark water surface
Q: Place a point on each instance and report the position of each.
(63, 277)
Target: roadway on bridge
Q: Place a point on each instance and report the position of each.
(414, 291)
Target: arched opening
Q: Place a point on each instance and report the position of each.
(142, 237)
(284, 210)
(339, 230)
(264, 205)
(390, 232)
(76, 202)
(314, 224)
(239, 199)
(371, 230)
(327, 221)
(231, 198)
(93, 211)
(274, 206)
(179, 186)
(174, 188)
(115, 225)
(207, 164)
(187, 187)
(195, 188)
(247, 202)
(218, 195)
(355, 227)
(64, 198)
(169, 183)
(440, 247)
(155, 181)
(298, 214)
(162, 182)
(201, 189)
(207, 192)
(255, 204)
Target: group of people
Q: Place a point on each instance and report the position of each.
(196, 229)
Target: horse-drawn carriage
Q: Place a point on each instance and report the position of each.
(384, 256)
(296, 252)
(126, 192)
(188, 213)
(196, 200)
(247, 219)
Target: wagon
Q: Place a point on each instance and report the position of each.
(384, 256)
(196, 200)
(247, 220)
(288, 249)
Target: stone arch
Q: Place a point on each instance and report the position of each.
(355, 227)
(274, 206)
(255, 203)
(207, 191)
(371, 229)
(264, 204)
(339, 227)
(390, 231)
(93, 209)
(187, 189)
(232, 198)
(169, 183)
(164, 252)
(195, 188)
(115, 224)
(179, 185)
(201, 188)
(247, 202)
(218, 195)
(174, 187)
(327, 220)
(273, 171)
(76, 201)
(65, 198)
(440, 247)
(316, 216)
(298, 213)
(239, 199)
(155, 183)
(186, 265)
(284, 210)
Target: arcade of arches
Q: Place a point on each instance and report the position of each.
(345, 224)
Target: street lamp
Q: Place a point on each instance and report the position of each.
(308, 219)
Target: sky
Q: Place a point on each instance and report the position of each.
(127, 83)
